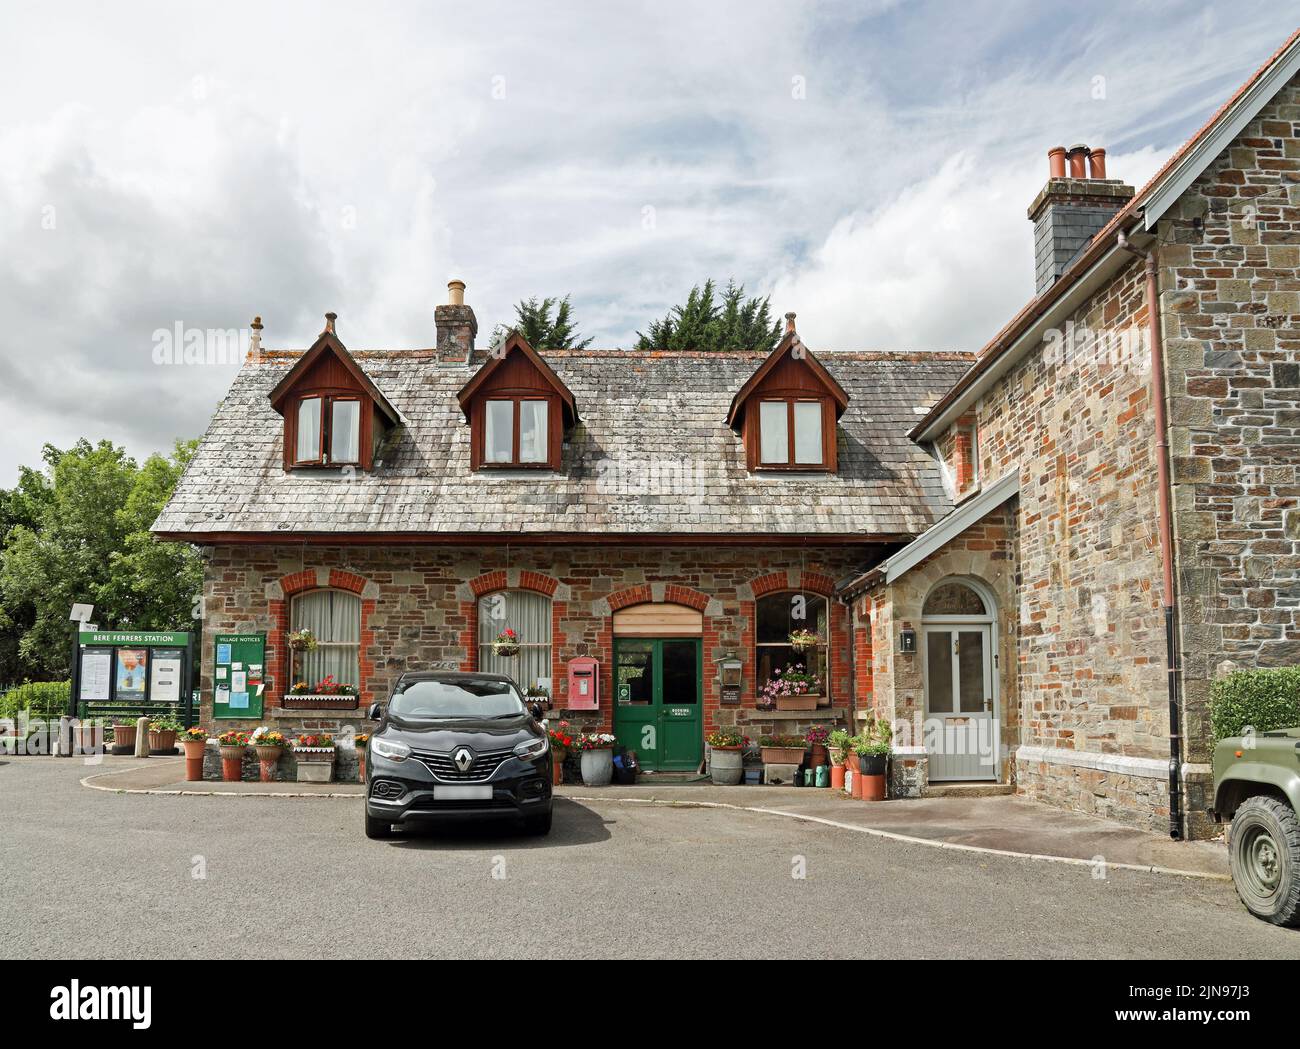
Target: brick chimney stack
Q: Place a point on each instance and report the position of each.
(456, 326)
(1071, 209)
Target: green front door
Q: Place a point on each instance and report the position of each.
(657, 700)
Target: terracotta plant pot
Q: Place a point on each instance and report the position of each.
(873, 787)
(557, 768)
(232, 764)
(123, 739)
(268, 758)
(194, 749)
(808, 702)
(361, 766)
(819, 755)
(162, 742)
(837, 777)
(783, 755)
(856, 790)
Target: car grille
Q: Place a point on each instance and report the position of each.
(441, 765)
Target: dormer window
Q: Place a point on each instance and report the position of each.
(518, 410)
(786, 411)
(333, 414)
(790, 433)
(516, 432)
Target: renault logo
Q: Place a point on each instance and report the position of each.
(463, 758)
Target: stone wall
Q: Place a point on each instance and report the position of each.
(1230, 308)
(419, 607)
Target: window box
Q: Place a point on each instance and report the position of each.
(808, 701)
(315, 701)
(783, 755)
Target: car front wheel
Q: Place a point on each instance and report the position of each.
(378, 828)
(1264, 851)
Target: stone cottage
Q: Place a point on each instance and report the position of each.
(1032, 559)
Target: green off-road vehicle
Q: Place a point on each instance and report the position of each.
(1257, 787)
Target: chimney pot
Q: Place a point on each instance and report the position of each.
(789, 322)
(1078, 159)
(1097, 163)
(456, 292)
(330, 318)
(1056, 162)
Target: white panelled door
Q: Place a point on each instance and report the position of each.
(961, 724)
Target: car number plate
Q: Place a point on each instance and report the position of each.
(483, 793)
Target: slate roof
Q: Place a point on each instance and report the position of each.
(652, 455)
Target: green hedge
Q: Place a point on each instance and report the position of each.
(39, 698)
(1264, 699)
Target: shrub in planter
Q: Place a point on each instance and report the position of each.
(270, 745)
(596, 754)
(872, 748)
(840, 745)
(816, 738)
(232, 744)
(1262, 699)
(726, 757)
(562, 741)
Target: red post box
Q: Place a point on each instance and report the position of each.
(584, 684)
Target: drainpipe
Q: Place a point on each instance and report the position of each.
(1172, 658)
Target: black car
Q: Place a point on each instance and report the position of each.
(457, 746)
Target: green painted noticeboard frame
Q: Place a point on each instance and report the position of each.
(238, 675)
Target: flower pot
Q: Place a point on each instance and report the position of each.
(782, 755)
(804, 702)
(557, 772)
(315, 764)
(873, 764)
(267, 759)
(855, 784)
(317, 700)
(232, 764)
(597, 767)
(837, 777)
(819, 755)
(194, 750)
(726, 765)
(162, 742)
(123, 739)
(361, 765)
(873, 788)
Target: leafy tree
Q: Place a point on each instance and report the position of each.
(80, 532)
(703, 322)
(534, 322)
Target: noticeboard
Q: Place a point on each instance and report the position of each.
(238, 675)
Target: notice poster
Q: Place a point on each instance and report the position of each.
(96, 673)
(132, 668)
(237, 675)
(165, 686)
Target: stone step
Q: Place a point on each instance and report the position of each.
(968, 790)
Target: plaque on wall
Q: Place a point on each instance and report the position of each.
(730, 695)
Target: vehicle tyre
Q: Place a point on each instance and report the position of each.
(538, 825)
(378, 828)
(1264, 851)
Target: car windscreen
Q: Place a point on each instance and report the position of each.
(468, 697)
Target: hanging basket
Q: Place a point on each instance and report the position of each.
(506, 649)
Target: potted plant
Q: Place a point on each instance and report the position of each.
(233, 744)
(816, 738)
(782, 750)
(804, 640)
(270, 745)
(506, 644)
(792, 688)
(315, 755)
(840, 744)
(327, 692)
(562, 742)
(726, 757)
(162, 735)
(872, 748)
(194, 740)
(596, 750)
(359, 741)
(302, 641)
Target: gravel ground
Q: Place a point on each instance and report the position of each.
(98, 875)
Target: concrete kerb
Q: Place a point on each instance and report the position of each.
(874, 832)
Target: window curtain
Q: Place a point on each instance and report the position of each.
(335, 618)
(529, 616)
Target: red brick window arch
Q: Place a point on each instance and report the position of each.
(334, 619)
(528, 614)
(777, 616)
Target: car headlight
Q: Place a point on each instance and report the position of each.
(532, 749)
(390, 749)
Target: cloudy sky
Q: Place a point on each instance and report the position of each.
(868, 164)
